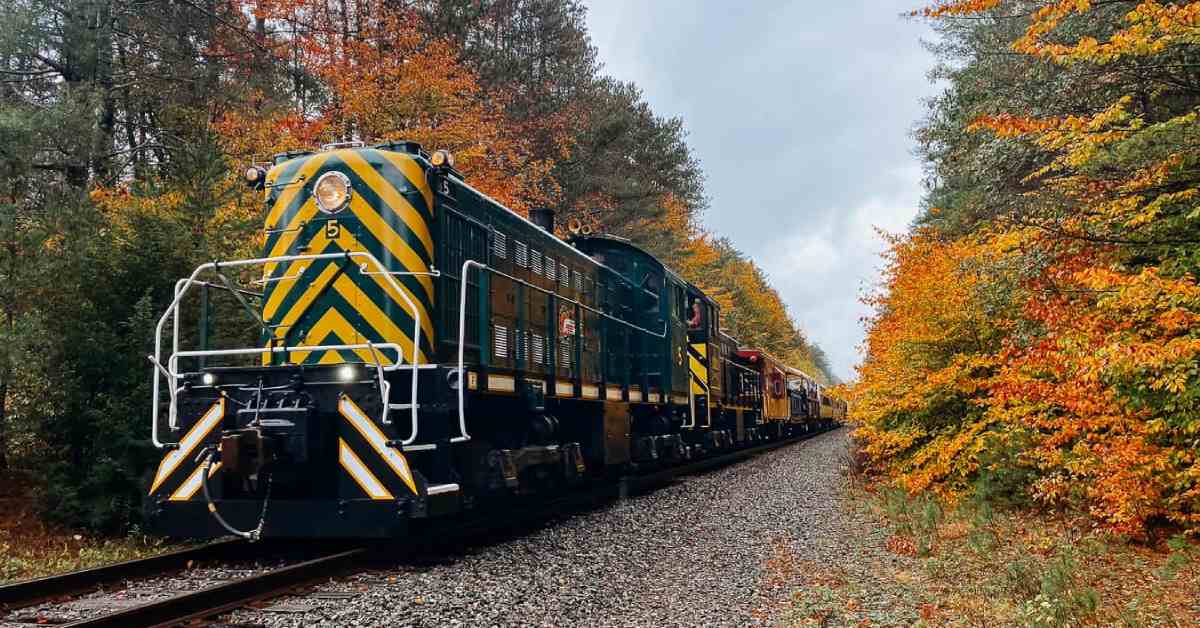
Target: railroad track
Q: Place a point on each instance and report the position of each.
(30, 592)
(213, 601)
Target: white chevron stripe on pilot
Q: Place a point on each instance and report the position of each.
(361, 474)
(194, 436)
(192, 484)
(377, 440)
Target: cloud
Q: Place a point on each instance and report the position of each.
(823, 269)
(800, 115)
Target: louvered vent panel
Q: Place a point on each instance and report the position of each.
(550, 268)
(564, 359)
(500, 246)
(564, 276)
(539, 349)
(578, 281)
(500, 341)
(521, 253)
(535, 262)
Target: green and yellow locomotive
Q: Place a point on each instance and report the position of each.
(423, 350)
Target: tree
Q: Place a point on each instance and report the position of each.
(1070, 159)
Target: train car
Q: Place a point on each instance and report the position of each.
(775, 407)
(803, 394)
(741, 402)
(832, 411)
(424, 350)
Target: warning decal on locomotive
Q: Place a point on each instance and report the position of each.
(183, 453)
(362, 306)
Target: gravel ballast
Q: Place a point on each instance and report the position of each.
(702, 552)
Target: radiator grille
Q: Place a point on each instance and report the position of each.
(521, 253)
(539, 349)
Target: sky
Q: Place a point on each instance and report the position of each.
(801, 115)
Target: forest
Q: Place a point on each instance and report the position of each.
(1035, 336)
(125, 125)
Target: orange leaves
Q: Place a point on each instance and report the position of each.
(927, 351)
(1091, 384)
(957, 7)
(379, 77)
(1009, 126)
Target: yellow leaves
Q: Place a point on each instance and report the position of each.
(1150, 28)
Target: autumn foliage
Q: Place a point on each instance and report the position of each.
(1045, 346)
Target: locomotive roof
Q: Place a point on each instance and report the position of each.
(414, 150)
(626, 243)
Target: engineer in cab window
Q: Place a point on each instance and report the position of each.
(694, 321)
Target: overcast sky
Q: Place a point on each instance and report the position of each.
(801, 115)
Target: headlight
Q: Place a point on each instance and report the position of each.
(332, 191)
(347, 373)
(442, 158)
(208, 379)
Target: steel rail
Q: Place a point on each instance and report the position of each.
(29, 592)
(223, 598)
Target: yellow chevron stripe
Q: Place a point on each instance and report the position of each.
(332, 322)
(289, 193)
(280, 293)
(286, 239)
(318, 245)
(397, 246)
(377, 440)
(361, 474)
(376, 318)
(390, 195)
(194, 437)
(414, 173)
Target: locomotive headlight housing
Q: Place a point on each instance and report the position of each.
(208, 379)
(346, 373)
(332, 192)
(442, 158)
(255, 177)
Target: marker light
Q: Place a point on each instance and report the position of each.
(332, 191)
(346, 373)
(442, 158)
(208, 379)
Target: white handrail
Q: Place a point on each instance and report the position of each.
(181, 290)
(462, 329)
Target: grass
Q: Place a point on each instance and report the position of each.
(971, 565)
(30, 548)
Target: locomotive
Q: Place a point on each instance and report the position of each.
(422, 351)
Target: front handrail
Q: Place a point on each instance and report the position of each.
(170, 370)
